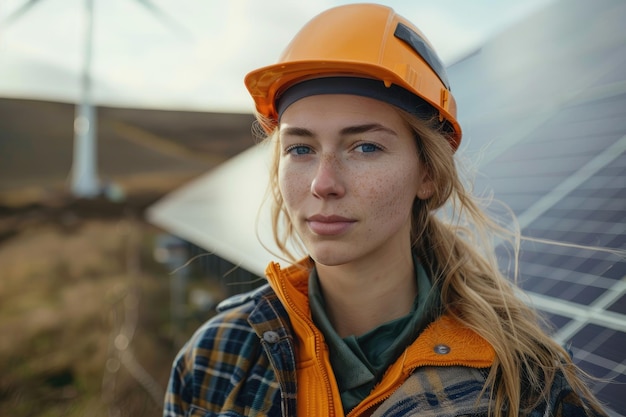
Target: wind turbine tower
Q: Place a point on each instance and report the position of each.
(84, 170)
(85, 182)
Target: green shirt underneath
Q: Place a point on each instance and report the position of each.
(359, 362)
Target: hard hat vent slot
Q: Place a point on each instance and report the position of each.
(408, 35)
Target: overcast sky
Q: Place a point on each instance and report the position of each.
(197, 56)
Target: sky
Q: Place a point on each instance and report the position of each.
(194, 54)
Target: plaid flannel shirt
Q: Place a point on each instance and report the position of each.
(242, 363)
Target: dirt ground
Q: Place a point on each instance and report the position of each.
(86, 325)
(84, 313)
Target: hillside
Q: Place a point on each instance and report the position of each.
(84, 306)
(137, 148)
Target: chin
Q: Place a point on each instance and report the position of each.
(330, 257)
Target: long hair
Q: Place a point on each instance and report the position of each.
(456, 240)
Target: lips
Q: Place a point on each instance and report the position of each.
(329, 225)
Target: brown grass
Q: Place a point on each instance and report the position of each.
(75, 276)
(66, 296)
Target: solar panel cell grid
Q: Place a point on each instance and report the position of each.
(616, 271)
(584, 295)
(555, 153)
(556, 320)
(606, 106)
(618, 241)
(590, 338)
(613, 393)
(619, 306)
(613, 346)
(595, 273)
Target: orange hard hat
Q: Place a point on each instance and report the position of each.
(368, 43)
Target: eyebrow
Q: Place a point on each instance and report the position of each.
(371, 127)
(346, 131)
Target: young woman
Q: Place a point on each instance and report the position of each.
(394, 311)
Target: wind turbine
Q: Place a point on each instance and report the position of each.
(84, 178)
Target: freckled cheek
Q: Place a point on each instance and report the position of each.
(388, 199)
(292, 184)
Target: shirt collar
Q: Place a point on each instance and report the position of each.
(360, 361)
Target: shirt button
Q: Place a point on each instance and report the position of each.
(442, 349)
(271, 337)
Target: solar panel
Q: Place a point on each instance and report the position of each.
(556, 155)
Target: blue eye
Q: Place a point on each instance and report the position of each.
(368, 147)
(299, 150)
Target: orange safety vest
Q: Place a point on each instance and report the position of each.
(445, 342)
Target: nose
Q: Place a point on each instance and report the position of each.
(327, 182)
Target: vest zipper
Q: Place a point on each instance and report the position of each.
(318, 342)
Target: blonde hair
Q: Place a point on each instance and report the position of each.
(455, 239)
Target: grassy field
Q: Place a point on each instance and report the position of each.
(84, 318)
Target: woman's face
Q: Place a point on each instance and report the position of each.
(349, 172)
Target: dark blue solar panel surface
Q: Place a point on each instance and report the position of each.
(543, 107)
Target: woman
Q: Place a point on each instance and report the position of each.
(394, 311)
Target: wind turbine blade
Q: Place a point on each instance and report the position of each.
(163, 17)
(13, 17)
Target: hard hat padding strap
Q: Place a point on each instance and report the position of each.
(365, 87)
(406, 34)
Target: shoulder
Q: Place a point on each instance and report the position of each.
(223, 353)
(563, 401)
(440, 391)
(230, 324)
(249, 298)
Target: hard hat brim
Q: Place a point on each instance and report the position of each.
(266, 84)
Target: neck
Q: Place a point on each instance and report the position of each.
(361, 297)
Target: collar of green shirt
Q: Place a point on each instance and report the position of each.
(359, 362)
